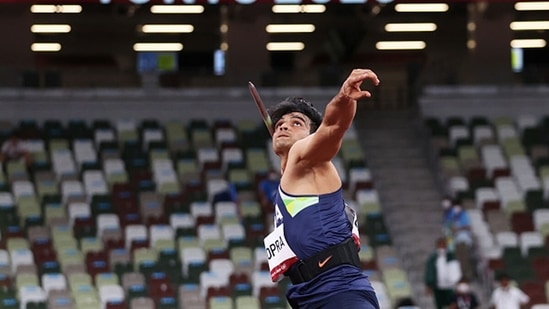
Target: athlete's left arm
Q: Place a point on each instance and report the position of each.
(323, 145)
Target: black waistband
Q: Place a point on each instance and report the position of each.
(343, 253)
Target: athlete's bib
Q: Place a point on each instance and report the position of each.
(351, 215)
(279, 254)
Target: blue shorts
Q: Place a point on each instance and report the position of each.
(348, 299)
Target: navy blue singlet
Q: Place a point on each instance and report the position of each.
(313, 223)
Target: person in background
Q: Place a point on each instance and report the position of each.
(228, 194)
(446, 205)
(457, 228)
(442, 272)
(456, 223)
(507, 296)
(406, 303)
(13, 149)
(461, 226)
(268, 188)
(464, 298)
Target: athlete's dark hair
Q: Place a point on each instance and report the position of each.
(295, 104)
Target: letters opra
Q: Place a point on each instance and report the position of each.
(274, 247)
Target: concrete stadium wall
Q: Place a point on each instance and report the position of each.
(489, 101)
(237, 104)
(161, 104)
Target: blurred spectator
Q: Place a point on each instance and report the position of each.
(268, 188)
(464, 298)
(13, 149)
(457, 228)
(406, 303)
(446, 204)
(456, 224)
(229, 194)
(461, 225)
(507, 296)
(442, 272)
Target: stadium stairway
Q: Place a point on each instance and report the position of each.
(397, 158)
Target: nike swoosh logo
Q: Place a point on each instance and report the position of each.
(323, 262)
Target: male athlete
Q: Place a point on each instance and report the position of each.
(313, 242)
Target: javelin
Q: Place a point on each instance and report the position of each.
(261, 107)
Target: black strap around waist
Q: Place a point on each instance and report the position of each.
(343, 253)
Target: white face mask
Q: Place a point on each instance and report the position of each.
(441, 251)
(457, 209)
(462, 288)
(446, 204)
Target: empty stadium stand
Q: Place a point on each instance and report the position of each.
(138, 214)
(497, 167)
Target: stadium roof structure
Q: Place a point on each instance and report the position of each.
(277, 35)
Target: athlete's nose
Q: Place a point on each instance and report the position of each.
(283, 126)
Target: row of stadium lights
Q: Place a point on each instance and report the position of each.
(292, 28)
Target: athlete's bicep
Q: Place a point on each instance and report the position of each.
(321, 146)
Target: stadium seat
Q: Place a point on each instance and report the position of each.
(32, 294)
(20, 256)
(483, 195)
(522, 222)
(396, 283)
(368, 203)
(259, 280)
(528, 240)
(383, 299)
(191, 255)
(247, 302)
(94, 183)
(110, 293)
(483, 134)
(142, 303)
(53, 281)
(135, 232)
(387, 257)
(457, 184)
(540, 218)
(160, 232)
(189, 296)
(60, 299)
(498, 221)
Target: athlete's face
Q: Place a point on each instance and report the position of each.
(289, 129)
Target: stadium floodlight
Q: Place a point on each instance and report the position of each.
(421, 7)
(177, 9)
(167, 28)
(528, 43)
(410, 27)
(530, 25)
(532, 6)
(50, 28)
(297, 8)
(46, 47)
(285, 46)
(52, 8)
(290, 28)
(400, 45)
(141, 47)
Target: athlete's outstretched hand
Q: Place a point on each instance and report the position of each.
(351, 86)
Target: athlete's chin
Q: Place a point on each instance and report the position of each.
(281, 146)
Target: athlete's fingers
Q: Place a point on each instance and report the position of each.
(360, 75)
(351, 86)
(365, 94)
(360, 94)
